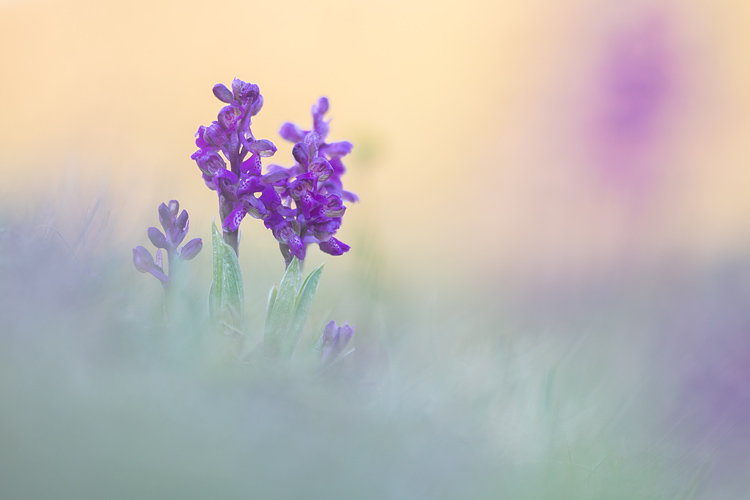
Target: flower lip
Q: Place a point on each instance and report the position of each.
(334, 247)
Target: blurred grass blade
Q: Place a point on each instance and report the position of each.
(227, 295)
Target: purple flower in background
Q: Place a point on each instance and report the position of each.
(301, 204)
(633, 103)
(333, 342)
(175, 229)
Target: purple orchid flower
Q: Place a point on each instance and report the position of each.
(314, 186)
(230, 139)
(301, 204)
(175, 229)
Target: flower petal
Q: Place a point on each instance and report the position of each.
(334, 247)
(292, 132)
(142, 259)
(191, 249)
(157, 238)
(223, 93)
(233, 220)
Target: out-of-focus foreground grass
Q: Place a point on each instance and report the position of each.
(627, 388)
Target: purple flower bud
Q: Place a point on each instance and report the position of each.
(209, 161)
(229, 116)
(222, 93)
(182, 221)
(176, 235)
(199, 139)
(174, 208)
(165, 217)
(142, 259)
(292, 132)
(244, 92)
(237, 86)
(300, 154)
(191, 249)
(321, 168)
(175, 229)
(334, 247)
(256, 106)
(157, 238)
(214, 135)
(312, 141)
(262, 148)
(333, 341)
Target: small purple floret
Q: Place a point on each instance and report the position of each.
(333, 341)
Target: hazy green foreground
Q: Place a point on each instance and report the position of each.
(635, 388)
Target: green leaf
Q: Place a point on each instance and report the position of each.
(288, 308)
(281, 311)
(227, 295)
(271, 299)
(303, 305)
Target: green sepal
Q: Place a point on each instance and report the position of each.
(226, 298)
(288, 307)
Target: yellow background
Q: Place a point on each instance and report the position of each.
(469, 120)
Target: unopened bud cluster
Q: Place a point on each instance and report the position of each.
(175, 230)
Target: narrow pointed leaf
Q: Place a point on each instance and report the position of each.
(302, 308)
(227, 295)
(281, 312)
(271, 300)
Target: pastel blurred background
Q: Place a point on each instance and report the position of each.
(573, 170)
(490, 138)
